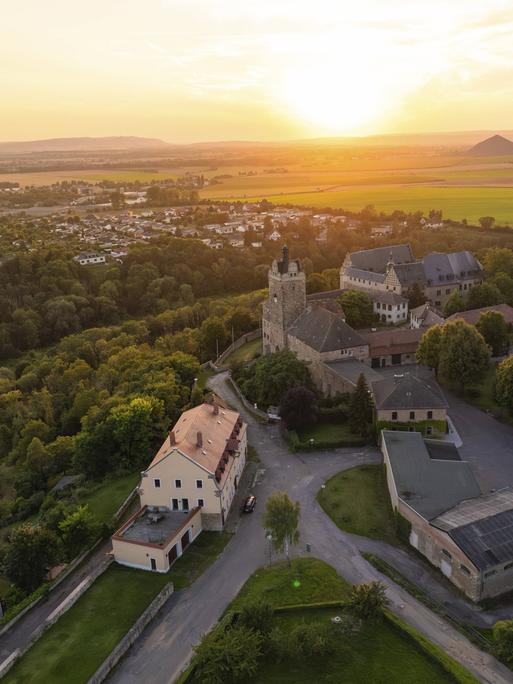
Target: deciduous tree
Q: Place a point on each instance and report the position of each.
(31, 552)
(495, 330)
(281, 521)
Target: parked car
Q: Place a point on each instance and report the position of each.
(249, 504)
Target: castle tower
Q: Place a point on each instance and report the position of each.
(287, 300)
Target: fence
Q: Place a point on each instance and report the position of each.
(131, 636)
(248, 337)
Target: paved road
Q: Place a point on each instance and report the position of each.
(19, 635)
(166, 646)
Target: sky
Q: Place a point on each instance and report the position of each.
(202, 70)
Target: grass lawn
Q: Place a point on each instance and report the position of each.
(357, 502)
(377, 653)
(245, 353)
(308, 581)
(105, 498)
(72, 650)
(331, 432)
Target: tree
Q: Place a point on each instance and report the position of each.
(454, 304)
(368, 600)
(486, 294)
(31, 552)
(257, 616)
(213, 337)
(464, 354)
(504, 383)
(498, 260)
(428, 351)
(281, 521)
(486, 222)
(228, 655)
(267, 379)
(316, 282)
(78, 530)
(297, 408)
(495, 330)
(503, 640)
(360, 411)
(136, 426)
(357, 308)
(415, 296)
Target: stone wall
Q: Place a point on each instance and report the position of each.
(132, 635)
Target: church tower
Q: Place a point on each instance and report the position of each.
(287, 300)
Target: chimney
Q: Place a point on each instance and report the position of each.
(199, 439)
(216, 408)
(172, 439)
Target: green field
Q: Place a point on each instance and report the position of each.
(456, 202)
(382, 652)
(377, 653)
(357, 502)
(105, 499)
(72, 649)
(245, 353)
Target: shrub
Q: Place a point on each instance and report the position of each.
(368, 600)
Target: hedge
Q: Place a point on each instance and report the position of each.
(456, 671)
(296, 444)
(27, 601)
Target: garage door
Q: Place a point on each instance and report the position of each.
(185, 540)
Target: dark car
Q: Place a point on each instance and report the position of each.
(249, 504)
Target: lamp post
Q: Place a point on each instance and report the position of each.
(269, 538)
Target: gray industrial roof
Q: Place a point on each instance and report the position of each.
(428, 485)
(350, 370)
(324, 330)
(406, 391)
(376, 259)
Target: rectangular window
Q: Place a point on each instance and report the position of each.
(439, 292)
(464, 569)
(178, 484)
(156, 483)
(430, 415)
(174, 504)
(446, 553)
(199, 484)
(394, 415)
(185, 504)
(412, 415)
(201, 503)
(448, 291)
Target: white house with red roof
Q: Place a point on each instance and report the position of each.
(189, 486)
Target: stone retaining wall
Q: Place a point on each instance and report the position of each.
(131, 636)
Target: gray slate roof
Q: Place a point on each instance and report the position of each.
(408, 274)
(365, 275)
(324, 330)
(441, 268)
(376, 259)
(428, 485)
(350, 370)
(407, 392)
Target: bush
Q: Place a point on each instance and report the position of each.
(257, 616)
(227, 655)
(503, 640)
(368, 600)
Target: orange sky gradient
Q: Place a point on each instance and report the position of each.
(197, 70)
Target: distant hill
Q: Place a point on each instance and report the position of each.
(492, 147)
(80, 144)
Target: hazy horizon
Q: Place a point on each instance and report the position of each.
(281, 71)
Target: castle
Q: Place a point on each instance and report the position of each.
(314, 326)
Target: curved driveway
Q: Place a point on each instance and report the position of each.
(165, 648)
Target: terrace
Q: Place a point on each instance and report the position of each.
(155, 527)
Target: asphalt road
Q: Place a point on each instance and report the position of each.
(165, 648)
